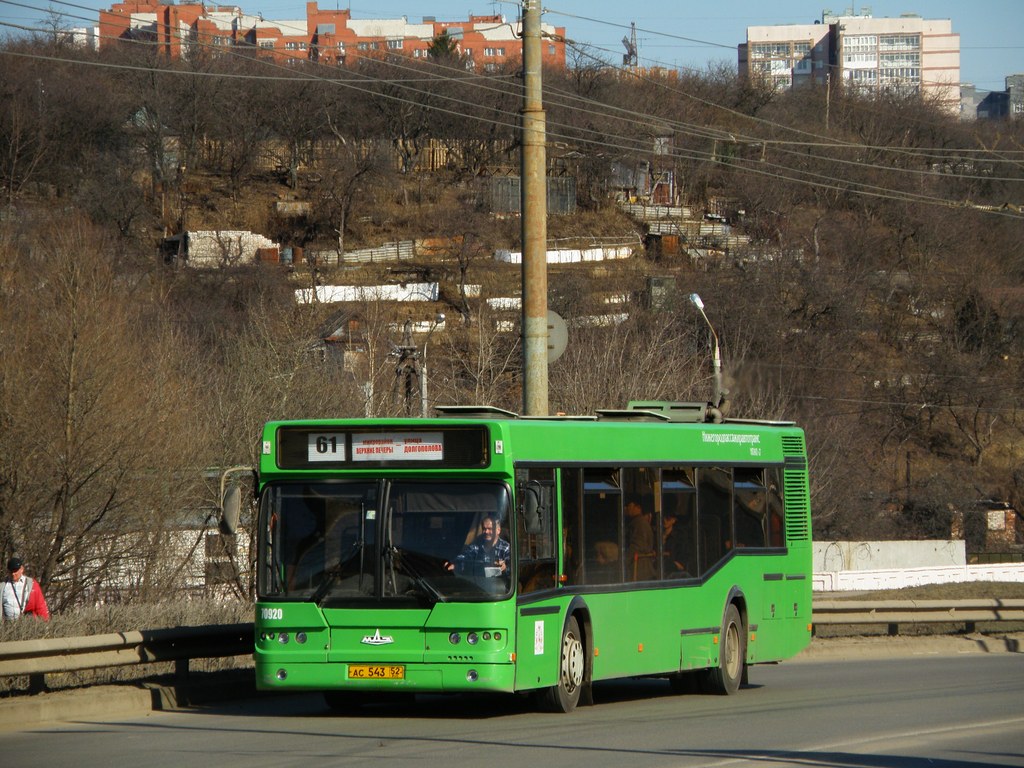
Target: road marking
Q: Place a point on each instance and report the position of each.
(916, 733)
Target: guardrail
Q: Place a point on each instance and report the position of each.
(37, 658)
(893, 613)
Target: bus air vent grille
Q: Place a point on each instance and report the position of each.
(793, 445)
(797, 517)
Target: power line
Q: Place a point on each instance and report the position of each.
(620, 142)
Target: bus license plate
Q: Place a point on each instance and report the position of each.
(376, 672)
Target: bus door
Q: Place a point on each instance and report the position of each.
(538, 620)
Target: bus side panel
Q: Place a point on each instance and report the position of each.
(636, 633)
(538, 634)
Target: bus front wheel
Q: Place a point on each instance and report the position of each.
(725, 679)
(565, 694)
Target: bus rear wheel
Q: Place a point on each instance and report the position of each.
(565, 694)
(725, 679)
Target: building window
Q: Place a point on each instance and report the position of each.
(899, 42)
(266, 43)
(394, 45)
(492, 52)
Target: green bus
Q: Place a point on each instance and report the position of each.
(483, 551)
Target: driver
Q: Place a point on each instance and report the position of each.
(488, 549)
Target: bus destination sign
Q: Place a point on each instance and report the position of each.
(303, 447)
(398, 446)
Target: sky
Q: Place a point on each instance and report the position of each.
(671, 33)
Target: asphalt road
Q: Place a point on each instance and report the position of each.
(942, 710)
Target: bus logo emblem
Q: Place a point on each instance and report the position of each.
(377, 639)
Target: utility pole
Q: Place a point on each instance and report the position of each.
(533, 218)
(409, 391)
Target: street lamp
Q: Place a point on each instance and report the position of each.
(716, 358)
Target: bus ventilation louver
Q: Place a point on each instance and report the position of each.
(793, 445)
(795, 490)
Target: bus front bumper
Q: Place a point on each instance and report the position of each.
(423, 678)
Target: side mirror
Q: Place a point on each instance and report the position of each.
(230, 509)
(533, 507)
(231, 500)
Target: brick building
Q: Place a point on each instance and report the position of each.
(327, 36)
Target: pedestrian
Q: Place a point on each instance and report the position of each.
(22, 595)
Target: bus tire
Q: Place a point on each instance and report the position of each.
(725, 679)
(564, 695)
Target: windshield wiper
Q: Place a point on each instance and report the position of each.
(331, 575)
(417, 579)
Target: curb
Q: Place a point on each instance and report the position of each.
(903, 646)
(21, 712)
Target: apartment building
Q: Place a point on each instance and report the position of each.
(326, 36)
(908, 54)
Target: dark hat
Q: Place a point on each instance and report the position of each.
(14, 564)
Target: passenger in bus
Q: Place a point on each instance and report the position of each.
(640, 551)
(488, 550)
(573, 568)
(673, 546)
(604, 567)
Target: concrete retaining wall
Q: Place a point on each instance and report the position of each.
(898, 578)
(875, 555)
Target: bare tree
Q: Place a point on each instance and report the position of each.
(88, 403)
(348, 170)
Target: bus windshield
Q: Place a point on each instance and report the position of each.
(339, 543)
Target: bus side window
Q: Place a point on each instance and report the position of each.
(535, 516)
(602, 522)
(714, 504)
(776, 508)
(572, 516)
(751, 507)
(678, 534)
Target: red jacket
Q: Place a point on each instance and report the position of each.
(36, 604)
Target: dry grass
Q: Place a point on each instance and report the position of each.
(960, 591)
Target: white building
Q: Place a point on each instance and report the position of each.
(908, 54)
